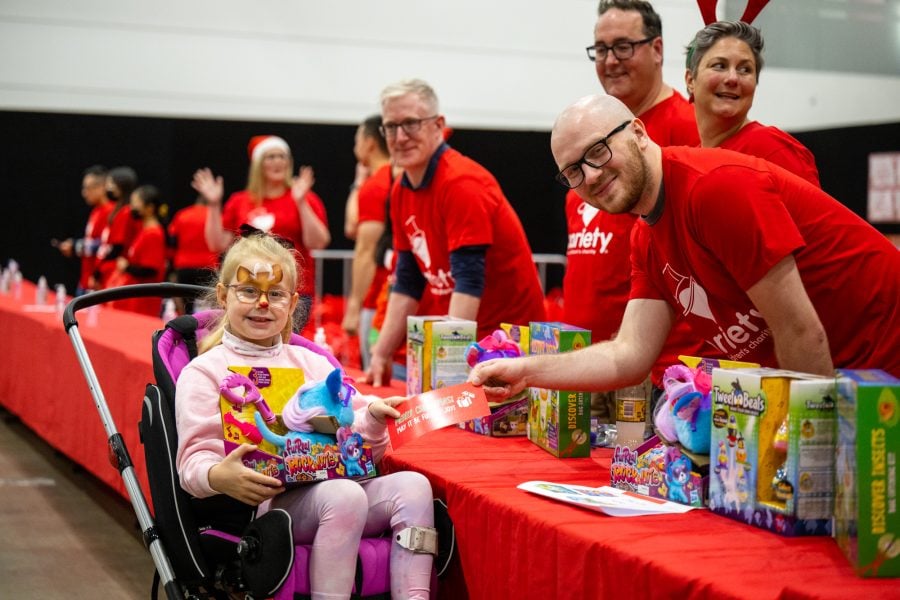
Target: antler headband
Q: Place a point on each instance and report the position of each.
(708, 10)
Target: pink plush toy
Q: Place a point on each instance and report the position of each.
(683, 412)
(496, 345)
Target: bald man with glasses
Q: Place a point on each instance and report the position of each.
(781, 274)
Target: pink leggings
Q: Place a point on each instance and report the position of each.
(334, 515)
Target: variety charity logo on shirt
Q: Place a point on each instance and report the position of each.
(589, 241)
(736, 339)
(441, 282)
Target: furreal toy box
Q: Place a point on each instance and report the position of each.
(772, 449)
(435, 352)
(866, 521)
(659, 471)
(559, 421)
(290, 457)
(510, 418)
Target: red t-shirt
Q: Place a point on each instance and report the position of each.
(278, 215)
(121, 230)
(672, 122)
(371, 200)
(775, 146)
(727, 220)
(147, 251)
(598, 271)
(187, 232)
(93, 237)
(462, 205)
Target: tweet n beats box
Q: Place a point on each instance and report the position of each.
(559, 421)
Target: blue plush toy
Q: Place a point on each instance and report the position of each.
(327, 398)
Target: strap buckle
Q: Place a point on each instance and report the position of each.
(421, 540)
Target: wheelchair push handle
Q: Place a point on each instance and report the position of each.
(140, 290)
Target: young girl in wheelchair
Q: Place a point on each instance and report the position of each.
(256, 290)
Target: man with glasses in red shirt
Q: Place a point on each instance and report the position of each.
(456, 235)
(627, 54)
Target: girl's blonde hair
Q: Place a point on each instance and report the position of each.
(259, 246)
(256, 181)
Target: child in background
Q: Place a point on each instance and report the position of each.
(145, 259)
(256, 288)
(121, 228)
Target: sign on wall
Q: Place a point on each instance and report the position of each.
(884, 187)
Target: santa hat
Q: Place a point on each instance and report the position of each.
(260, 144)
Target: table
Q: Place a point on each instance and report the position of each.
(42, 382)
(513, 544)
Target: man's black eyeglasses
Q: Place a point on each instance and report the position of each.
(596, 156)
(621, 50)
(410, 126)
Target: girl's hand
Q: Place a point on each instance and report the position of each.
(121, 264)
(211, 188)
(382, 408)
(232, 478)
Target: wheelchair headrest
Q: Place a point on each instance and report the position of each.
(173, 344)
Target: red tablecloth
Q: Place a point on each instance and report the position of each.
(43, 384)
(513, 544)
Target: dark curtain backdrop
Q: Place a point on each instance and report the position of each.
(43, 155)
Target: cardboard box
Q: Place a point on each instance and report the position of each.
(559, 421)
(659, 471)
(507, 420)
(435, 352)
(866, 522)
(772, 448)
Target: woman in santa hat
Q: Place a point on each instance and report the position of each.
(274, 201)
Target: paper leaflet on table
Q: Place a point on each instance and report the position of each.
(436, 409)
(609, 500)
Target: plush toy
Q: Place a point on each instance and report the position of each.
(678, 475)
(684, 411)
(329, 398)
(351, 451)
(496, 345)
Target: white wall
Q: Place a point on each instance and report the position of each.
(499, 64)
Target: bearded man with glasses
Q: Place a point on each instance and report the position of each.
(628, 55)
(764, 266)
(457, 238)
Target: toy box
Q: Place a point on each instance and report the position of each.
(520, 334)
(507, 420)
(866, 522)
(559, 421)
(435, 352)
(659, 471)
(772, 442)
(297, 462)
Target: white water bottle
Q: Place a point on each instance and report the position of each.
(60, 298)
(319, 339)
(17, 285)
(40, 295)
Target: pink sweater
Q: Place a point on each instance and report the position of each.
(197, 417)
